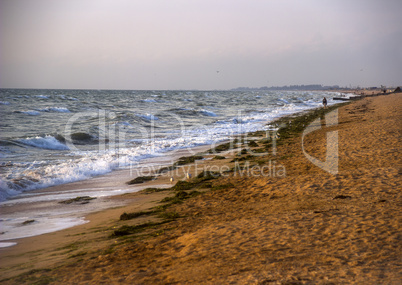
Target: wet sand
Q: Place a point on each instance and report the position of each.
(45, 212)
(305, 227)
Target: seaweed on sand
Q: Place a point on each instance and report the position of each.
(128, 216)
(188, 159)
(219, 157)
(292, 126)
(222, 147)
(166, 169)
(154, 190)
(78, 200)
(252, 144)
(128, 230)
(140, 179)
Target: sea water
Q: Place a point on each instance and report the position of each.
(54, 137)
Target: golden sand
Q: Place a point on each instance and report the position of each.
(305, 227)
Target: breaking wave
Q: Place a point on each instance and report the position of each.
(47, 142)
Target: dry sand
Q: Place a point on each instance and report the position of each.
(310, 227)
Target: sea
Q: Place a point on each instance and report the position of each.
(50, 138)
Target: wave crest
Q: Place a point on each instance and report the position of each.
(55, 109)
(47, 142)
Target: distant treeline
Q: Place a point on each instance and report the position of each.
(292, 87)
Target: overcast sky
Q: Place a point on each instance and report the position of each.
(205, 44)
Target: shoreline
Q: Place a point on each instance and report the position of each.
(50, 199)
(196, 208)
(95, 157)
(111, 181)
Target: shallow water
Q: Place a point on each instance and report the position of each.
(53, 137)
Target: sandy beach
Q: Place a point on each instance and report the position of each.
(271, 216)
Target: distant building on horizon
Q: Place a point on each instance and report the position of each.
(292, 88)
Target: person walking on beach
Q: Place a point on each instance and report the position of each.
(324, 102)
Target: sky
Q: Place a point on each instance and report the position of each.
(199, 44)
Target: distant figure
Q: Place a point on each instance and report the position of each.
(324, 102)
(171, 179)
(188, 175)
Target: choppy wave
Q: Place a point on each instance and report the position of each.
(47, 142)
(4, 103)
(30, 112)
(192, 112)
(7, 192)
(283, 100)
(180, 120)
(149, 101)
(48, 109)
(81, 136)
(124, 124)
(147, 117)
(207, 113)
(89, 165)
(55, 109)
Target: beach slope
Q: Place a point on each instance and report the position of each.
(292, 222)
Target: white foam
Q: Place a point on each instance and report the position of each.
(125, 124)
(7, 244)
(6, 192)
(60, 109)
(91, 163)
(55, 109)
(283, 100)
(208, 113)
(31, 113)
(27, 197)
(47, 142)
(4, 103)
(12, 228)
(149, 100)
(148, 117)
(56, 174)
(42, 96)
(95, 164)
